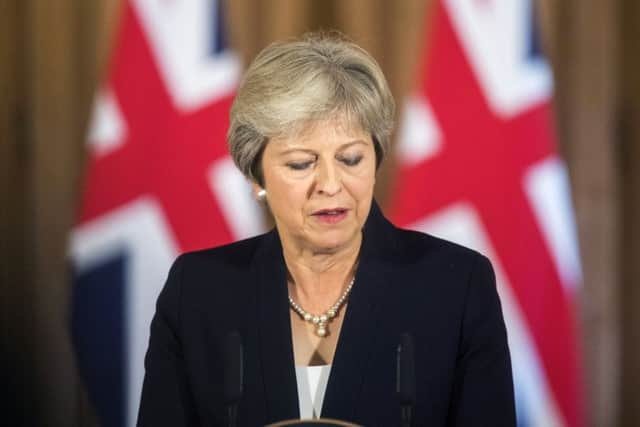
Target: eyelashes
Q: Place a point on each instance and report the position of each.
(351, 161)
(348, 161)
(298, 166)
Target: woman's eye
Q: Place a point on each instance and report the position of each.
(299, 165)
(351, 161)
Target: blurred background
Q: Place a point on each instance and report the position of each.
(56, 55)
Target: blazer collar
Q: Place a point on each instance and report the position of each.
(358, 332)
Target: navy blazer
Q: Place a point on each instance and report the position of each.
(441, 293)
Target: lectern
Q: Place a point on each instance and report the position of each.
(321, 422)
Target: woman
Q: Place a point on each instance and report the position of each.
(321, 301)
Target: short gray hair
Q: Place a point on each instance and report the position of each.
(291, 85)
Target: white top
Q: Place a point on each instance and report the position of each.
(312, 384)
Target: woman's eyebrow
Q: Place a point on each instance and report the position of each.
(313, 152)
(297, 149)
(350, 143)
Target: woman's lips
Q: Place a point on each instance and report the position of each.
(331, 216)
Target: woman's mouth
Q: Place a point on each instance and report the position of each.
(331, 216)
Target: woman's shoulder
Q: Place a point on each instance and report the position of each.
(238, 252)
(227, 262)
(456, 276)
(218, 275)
(411, 246)
(415, 245)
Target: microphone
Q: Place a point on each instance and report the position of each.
(233, 373)
(406, 378)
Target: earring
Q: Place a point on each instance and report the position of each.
(262, 195)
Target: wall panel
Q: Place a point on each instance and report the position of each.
(629, 157)
(586, 67)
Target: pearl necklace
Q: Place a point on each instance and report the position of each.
(322, 320)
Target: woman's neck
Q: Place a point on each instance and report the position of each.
(317, 279)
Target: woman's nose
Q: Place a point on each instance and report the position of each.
(328, 180)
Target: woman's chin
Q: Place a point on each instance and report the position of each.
(333, 242)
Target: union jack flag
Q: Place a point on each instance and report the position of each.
(159, 181)
(478, 165)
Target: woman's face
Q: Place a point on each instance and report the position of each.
(320, 185)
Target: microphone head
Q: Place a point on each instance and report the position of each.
(233, 369)
(406, 371)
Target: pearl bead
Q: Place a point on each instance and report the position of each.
(307, 317)
(321, 332)
(316, 320)
(331, 313)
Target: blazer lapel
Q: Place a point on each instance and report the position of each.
(274, 330)
(359, 329)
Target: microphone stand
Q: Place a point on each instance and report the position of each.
(232, 414)
(406, 379)
(233, 375)
(406, 414)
